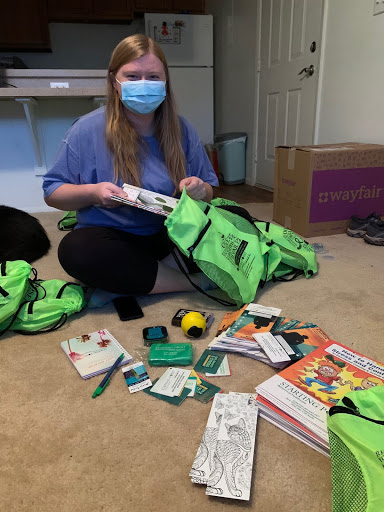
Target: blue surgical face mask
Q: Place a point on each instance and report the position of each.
(142, 96)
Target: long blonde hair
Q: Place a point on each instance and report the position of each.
(122, 140)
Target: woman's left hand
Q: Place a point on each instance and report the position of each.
(195, 187)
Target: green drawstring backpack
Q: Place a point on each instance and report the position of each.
(14, 282)
(227, 251)
(293, 253)
(54, 300)
(37, 306)
(356, 439)
(235, 251)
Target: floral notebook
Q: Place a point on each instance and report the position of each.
(94, 353)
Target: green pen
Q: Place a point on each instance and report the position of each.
(103, 384)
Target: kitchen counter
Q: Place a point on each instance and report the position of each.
(32, 88)
(47, 92)
(38, 83)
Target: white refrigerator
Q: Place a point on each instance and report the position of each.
(187, 42)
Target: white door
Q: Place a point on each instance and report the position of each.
(290, 42)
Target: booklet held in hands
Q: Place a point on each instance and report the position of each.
(147, 200)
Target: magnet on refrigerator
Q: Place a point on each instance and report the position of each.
(187, 42)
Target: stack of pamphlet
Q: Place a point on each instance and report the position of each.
(298, 398)
(259, 332)
(224, 459)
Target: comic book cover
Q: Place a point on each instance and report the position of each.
(305, 390)
(283, 324)
(228, 319)
(254, 319)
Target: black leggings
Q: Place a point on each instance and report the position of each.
(114, 260)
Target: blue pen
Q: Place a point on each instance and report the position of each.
(107, 378)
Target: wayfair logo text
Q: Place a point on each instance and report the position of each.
(350, 195)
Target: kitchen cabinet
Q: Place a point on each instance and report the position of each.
(25, 26)
(115, 10)
(189, 6)
(168, 6)
(82, 11)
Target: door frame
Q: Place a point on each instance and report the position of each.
(253, 178)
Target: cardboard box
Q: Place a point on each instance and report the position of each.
(319, 188)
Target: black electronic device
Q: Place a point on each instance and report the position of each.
(127, 308)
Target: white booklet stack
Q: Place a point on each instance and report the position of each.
(224, 459)
(147, 200)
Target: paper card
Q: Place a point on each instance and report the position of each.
(209, 361)
(171, 382)
(295, 344)
(223, 370)
(194, 374)
(205, 391)
(236, 436)
(191, 384)
(263, 311)
(271, 347)
(136, 377)
(174, 400)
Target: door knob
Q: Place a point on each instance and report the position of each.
(308, 71)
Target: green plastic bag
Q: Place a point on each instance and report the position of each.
(14, 282)
(227, 251)
(68, 221)
(356, 439)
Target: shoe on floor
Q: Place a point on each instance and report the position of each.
(375, 233)
(358, 226)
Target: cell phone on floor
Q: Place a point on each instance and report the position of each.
(127, 308)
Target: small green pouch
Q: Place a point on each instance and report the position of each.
(174, 354)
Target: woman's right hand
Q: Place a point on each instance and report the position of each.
(102, 194)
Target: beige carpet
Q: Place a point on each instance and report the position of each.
(62, 451)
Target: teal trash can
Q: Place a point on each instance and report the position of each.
(231, 150)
